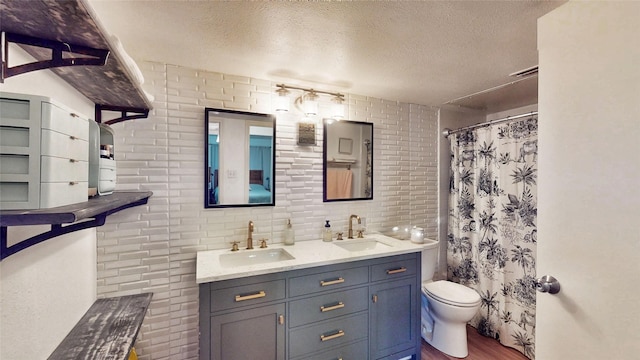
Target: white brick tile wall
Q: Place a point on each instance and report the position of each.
(153, 248)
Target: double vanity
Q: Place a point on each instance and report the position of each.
(348, 299)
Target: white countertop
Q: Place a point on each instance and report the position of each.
(306, 254)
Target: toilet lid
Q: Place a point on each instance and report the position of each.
(452, 293)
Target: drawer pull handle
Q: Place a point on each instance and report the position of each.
(331, 282)
(337, 306)
(396, 271)
(72, 137)
(73, 183)
(281, 319)
(257, 295)
(73, 160)
(74, 115)
(340, 333)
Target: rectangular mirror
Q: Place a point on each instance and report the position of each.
(347, 160)
(239, 158)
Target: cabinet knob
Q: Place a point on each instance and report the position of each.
(73, 183)
(374, 298)
(72, 137)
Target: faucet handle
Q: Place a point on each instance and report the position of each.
(339, 236)
(234, 246)
(263, 243)
(360, 234)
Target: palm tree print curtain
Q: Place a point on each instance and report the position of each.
(492, 227)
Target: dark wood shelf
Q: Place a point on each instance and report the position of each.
(74, 23)
(79, 216)
(75, 212)
(106, 331)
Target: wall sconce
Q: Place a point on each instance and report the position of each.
(308, 101)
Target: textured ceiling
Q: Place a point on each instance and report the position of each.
(422, 52)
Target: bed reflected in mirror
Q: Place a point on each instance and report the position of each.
(347, 160)
(239, 159)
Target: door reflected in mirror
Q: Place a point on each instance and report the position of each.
(239, 159)
(347, 160)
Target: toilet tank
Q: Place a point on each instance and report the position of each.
(429, 259)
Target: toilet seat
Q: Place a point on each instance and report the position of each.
(451, 293)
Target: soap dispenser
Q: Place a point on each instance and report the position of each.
(326, 234)
(288, 234)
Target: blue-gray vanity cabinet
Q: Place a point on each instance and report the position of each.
(243, 318)
(253, 333)
(394, 322)
(366, 309)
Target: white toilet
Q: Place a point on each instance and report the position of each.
(446, 308)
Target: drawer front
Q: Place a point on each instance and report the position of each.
(328, 281)
(14, 137)
(54, 169)
(64, 121)
(328, 334)
(13, 164)
(106, 187)
(394, 269)
(107, 174)
(246, 295)
(19, 195)
(18, 110)
(328, 306)
(62, 193)
(64, 146)
(357, 351)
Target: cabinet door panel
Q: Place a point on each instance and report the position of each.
(250, 334)
(394, 317)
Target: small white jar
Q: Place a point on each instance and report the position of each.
(417, 235)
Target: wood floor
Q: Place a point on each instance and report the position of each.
(480, 348)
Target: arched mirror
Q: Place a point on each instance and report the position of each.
(347, 160)
(239, 159)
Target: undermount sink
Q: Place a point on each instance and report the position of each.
(253, 257)
(362, 245)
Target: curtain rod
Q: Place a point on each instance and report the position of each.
(448, 132)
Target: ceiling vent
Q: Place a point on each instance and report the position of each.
(526, 72)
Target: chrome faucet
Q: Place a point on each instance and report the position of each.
(350, 233)
(250, 238)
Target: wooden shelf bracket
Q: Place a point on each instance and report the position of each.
(60, 55)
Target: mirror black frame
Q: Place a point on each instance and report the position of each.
(325, 142)
(209, 113)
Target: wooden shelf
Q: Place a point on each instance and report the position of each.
(80, 216)
(106, 331)
(74, 24)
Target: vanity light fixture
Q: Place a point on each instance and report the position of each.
(337, 108)
(308, 102)
(282, 101)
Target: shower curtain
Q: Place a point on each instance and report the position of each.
(492, 227)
